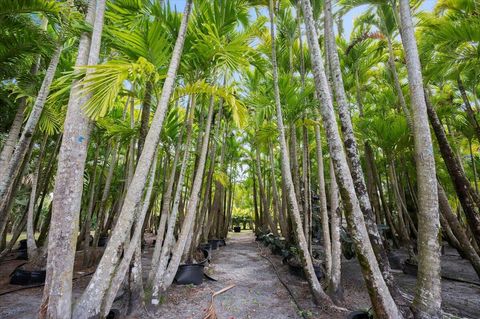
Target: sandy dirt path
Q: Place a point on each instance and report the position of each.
(258, 293)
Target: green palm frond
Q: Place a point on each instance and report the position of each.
(221, 177)
(51, 120)
(118, 128)
(104, 82)
(238, 109)
(129, 14)
(172, 124)
(150, 42)
(29, 6)
(266, 133)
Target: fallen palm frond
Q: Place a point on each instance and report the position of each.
(211, 313)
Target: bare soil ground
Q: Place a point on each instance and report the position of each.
(259, 292)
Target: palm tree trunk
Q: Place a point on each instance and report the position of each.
(335, 289)
(145, 121)
(42, 237)
(306, 259)
(465, 192)
(351, 149)
(276, 199)
(106, 268)
(162, 282)
(133, 248)
(307, 196)
(161, 262)
(106, 191)
(31, 244)
(17, 229)
(323, 205)
(89, 212)
(382, 301)
(13, 169)
(397, 85)
(201, 229)
(11, 197)
(428, 299)
(57, 296)
(470, 113)
(457, 229)
(167, 197)
(13, 135)
(267, 218)
(474, 166)
(398, 202)
(371, 184)
(294, 161)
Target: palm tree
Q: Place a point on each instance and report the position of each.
(382, 301)
(92, 300)
(428, 299)
(15, 149)
(351, 149)
(69, 182)
(317, 291)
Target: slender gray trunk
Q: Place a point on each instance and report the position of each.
(163, 282)
(319, 295)
(167, 199)
(335, 284)
(276, 199)
(100, 281)
(397, 85)
(428, 299)
(133, 248)
(323, 205)
(88, 215)
(382, 301)
(464, 243)
(31, 244)
(307, 197)
(106, 191)
(57, 294)
(351, 149)
(160, 264)
(13, 135)
(13, 169)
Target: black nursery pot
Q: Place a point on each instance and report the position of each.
(276, 250)
(359, 315)
(26, 277)
(191, 274)
(206, 246)
(22, 255)
(102, 241)
(20, 277)
(318, 271)
(113, 314)
(237, 229)
(409, 268)
(213, 244)
(396, 261)
(37, 276)
(206, 255)
(22, 244)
